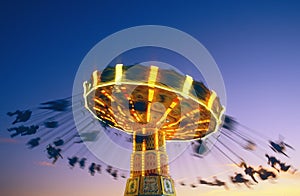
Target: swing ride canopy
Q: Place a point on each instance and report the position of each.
(131, 98)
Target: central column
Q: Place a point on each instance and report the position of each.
(149, 172)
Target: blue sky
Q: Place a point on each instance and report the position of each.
(256, 45)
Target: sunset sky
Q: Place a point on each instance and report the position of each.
(256, 45)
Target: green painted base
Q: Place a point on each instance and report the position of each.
(150, 186)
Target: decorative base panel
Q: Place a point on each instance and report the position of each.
(150, 186)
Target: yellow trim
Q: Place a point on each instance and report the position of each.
(85, 84)
(202, 121)
(157, 151)
(179, 120)
(144, 131)
(156, 140)
(136, 116)
(132, 155)
(151, 94)
(187, 85)
(152, 75)
(143, 157)
(118, 74)
(95, 108)
(200, 102)
(158, 162)
(120, 110)
(95, 78)
(150, 99)
(110, 110)
(131, 165)
(107, 95)
(133, 141)
(151, 83)
(211, 100)
(148, 112)
(98, 101)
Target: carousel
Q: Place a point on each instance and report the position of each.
(155, 106)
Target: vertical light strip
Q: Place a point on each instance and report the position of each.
(168, 169)
(131, 165)
(144, 131)
(164, 151)
(132, 155)
(95, 78)
(143, 157)
(157, 151)
(133, 142)
(156, 140)
(158, 162)
(211, 99)
(85, 90)
(187, 85)
(150, 99)
(151, 82)
(152, 76)
(167, 158)
(118, 73)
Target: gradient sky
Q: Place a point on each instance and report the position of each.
(256, 45)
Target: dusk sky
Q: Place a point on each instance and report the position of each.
(256, 45)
